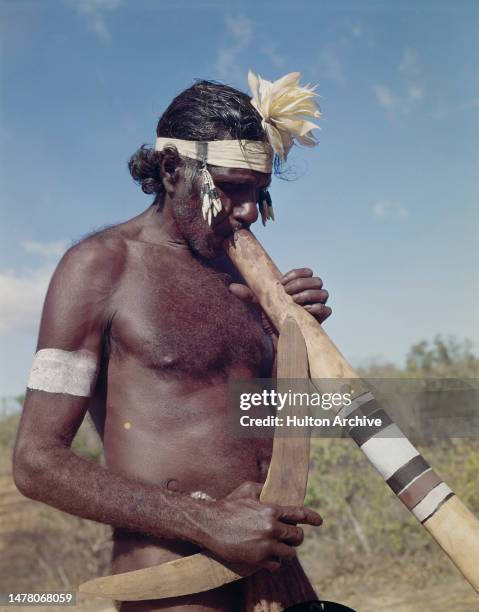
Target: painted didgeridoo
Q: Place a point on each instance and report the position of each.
(401, 465)
(407, 473)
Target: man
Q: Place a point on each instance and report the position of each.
(142, 326)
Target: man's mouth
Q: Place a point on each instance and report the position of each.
(226, 227)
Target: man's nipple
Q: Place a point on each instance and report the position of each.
(168, 361)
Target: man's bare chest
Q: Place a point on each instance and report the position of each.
(180, 319)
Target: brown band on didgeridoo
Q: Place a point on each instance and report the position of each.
(408, 472)
(418, 490)
(363, 433)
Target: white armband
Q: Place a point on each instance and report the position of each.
(58, 371)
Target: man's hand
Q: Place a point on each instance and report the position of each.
(258, 534)
(305, 289)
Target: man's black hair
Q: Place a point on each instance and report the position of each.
(205, 111)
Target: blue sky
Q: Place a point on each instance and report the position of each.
(384, 209)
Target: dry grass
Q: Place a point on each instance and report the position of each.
(44, 549)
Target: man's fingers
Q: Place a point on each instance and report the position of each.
(292, 535)
(311, 296)
(320, 311)
(242, 292)
(298, 514)
(283, 551)
(296, 273)
(297, 285)
(280, 552)
(272, 565)
(312, 518)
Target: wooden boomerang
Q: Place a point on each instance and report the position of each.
(285, 484)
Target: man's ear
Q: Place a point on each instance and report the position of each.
(169, 173)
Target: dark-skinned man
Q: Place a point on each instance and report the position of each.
(143, 325)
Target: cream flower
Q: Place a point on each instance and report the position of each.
(284, 106)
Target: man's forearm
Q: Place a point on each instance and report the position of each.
(86, 489)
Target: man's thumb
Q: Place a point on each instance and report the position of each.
(242, 292)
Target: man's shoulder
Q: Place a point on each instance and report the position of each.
(98, 258)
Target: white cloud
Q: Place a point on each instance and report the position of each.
(395, 104)
(272, 53)
(409, 65)
(22, 293)
(389, 209)
(94, 12)
(386, 98)
(334, 56)
(330, 65)
(241, 28)
(45, 249)
(239, 34)
(21, 299)
(408, 93)
(414, 92)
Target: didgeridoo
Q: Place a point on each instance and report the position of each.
(405, 471)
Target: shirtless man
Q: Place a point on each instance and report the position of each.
(157, 314)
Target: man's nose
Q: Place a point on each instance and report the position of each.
(246, 212)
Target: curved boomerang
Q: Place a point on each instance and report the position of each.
(285, 484)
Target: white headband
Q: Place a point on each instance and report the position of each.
(249, 154)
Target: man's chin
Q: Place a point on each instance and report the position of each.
(208, 248)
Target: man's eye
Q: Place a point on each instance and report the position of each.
(225, 187)
(240, 190)
(234, 187)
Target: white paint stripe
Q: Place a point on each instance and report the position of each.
(432, 500)
(356, 403)
(389, 450)
(58, 371)
(202, 495)
(414, 480)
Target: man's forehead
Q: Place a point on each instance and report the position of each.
(240, 175)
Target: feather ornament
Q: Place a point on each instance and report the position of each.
(266, 207)
(286, 108)
(210, 200)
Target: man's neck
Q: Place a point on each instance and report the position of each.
(157, 226)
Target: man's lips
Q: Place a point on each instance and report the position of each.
(226, 227)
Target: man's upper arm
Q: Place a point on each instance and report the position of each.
(77, 309)
(78, 305)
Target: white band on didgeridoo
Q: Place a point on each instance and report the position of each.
(58, 371)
